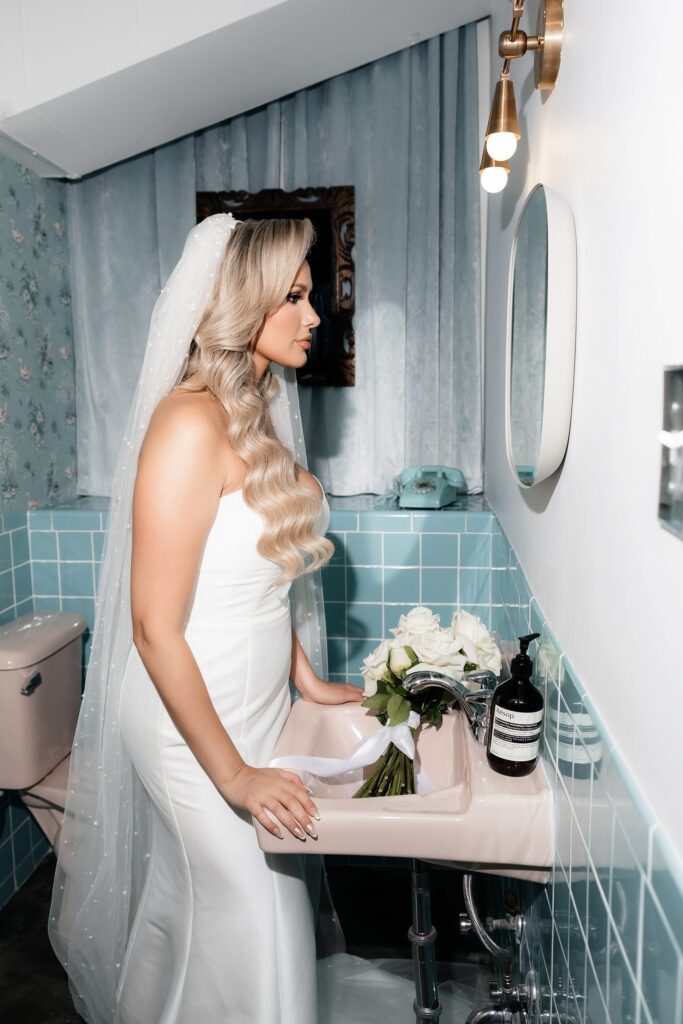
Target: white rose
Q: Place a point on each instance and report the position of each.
(399, 660)
(441, 650)
(375, 665)
(418, 621)
(475, 639)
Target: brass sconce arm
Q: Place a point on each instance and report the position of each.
(502, 131)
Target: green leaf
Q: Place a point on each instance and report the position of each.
(378, 702)
(411, 654)
(381, 686)
(398, 709)
(470, 667)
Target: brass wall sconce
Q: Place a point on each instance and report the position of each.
(502, 131)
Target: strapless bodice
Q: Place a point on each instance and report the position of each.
(234, 581)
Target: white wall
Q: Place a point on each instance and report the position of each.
(607, 576)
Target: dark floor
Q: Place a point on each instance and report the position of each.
(33, 984)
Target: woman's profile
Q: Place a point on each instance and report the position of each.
(182, 916)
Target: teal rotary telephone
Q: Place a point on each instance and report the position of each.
(429, 486)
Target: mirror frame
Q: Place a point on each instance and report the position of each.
(560, 333)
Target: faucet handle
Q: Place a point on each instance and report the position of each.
(480, 701)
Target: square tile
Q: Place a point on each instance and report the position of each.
(385, 522)
(475, 550)
(46, 579)
(20, 553)
(364, 549)
(43, 545)
(342, 520)
(480, 522)
(76, 579)
(439, 586)
(474, 586)
(402, 585)
(334, 582)
(401, 549)
(439, 522)
(6, 589)
(364, 620)
(363, 584)
(76, 519)
(336, 654)
(75, 546)
(23, 588)
(441, 550)
(335, 619)
(40, 519)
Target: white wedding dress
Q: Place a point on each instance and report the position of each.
(224, 934)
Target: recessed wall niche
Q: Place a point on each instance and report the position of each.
(331, 361)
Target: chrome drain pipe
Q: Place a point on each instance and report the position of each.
(422, 936)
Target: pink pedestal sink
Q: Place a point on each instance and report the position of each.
(476, 819)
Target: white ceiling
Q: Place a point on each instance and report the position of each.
(86, 83)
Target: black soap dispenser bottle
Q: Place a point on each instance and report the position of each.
(515, 718)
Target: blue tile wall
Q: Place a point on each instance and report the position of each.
(16, 596)
(22, 844)
(386, 562)
(605, 937)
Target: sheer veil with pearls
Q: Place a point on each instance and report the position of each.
(104, 843)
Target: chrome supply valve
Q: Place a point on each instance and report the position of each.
(515, 923)
(475, 704)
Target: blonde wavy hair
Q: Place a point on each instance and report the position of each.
(260, 264)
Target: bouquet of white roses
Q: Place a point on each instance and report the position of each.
(420, 642)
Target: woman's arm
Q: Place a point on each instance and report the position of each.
(177, 489)
(312, 687)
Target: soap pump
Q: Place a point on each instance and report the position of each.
(515, 718)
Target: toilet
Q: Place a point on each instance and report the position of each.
(40, 696)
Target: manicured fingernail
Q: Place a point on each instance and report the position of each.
(309, 790)
(316, 815)
(278, 833)
(311, 831)
(299, 832)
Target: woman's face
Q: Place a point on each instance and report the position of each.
(286, 333)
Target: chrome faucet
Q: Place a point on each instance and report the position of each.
(475, 704)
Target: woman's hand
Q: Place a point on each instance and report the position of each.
(273, 791)
(319, 691)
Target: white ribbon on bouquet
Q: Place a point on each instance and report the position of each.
(366, 752)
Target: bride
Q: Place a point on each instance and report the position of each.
(165, 910)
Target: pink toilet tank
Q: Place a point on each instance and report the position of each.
(40, 696)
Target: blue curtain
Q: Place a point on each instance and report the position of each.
(404, 131)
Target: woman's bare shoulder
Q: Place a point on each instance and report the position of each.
(194, 407)
(185, 429)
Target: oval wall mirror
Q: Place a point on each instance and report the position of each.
(541, 331)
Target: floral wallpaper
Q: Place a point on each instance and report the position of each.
(37, 386)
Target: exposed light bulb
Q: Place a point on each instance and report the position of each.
(501, 145)
(494, 179)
